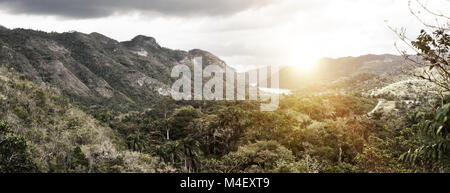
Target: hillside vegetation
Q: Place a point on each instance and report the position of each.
(94, 69)
(76, 102)
(56, 136)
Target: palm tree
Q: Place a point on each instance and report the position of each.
(191, 153)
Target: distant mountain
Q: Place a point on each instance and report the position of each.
(95, 69)
(329, 70)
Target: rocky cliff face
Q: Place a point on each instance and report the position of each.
(95, 69)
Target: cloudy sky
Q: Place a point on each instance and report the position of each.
(244, 33)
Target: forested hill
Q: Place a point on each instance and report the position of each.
(41, 131)
(133, 75)
(327, 70)
(327, 127)
(95, 69)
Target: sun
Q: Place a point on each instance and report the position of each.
(303, 59)
(306, 64)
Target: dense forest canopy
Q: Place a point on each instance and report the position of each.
(79, 105)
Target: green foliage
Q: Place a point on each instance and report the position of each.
(262, 156)
(342, 167)
(309, 133)
(433, 47)
(128, 127)
(14, 155)
(52, 135)
(223, 135)
(79, 160)
(375, 158)
(180, 120)
(322, 128)
(110, 165)
(436, 148)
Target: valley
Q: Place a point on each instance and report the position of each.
(77, 102)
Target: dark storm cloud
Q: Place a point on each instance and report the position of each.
(102, 8)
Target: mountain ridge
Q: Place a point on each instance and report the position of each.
(95, 69)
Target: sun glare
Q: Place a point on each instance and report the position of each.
(306, 64)
(303, 60)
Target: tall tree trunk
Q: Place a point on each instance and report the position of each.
(167, 134)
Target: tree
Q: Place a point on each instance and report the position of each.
(191, 153)
(431, 47)
(375, 158)
(79, 162)
(262, 156)
(180, 120)
(432, 56)
(229, 128)
(171, 151)
(436, 150)
(14, 156)
(137, 141)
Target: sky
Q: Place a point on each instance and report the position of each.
(244, 33)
